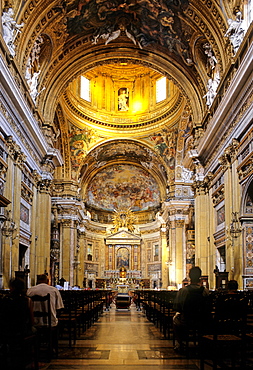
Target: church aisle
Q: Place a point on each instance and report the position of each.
(122, 340)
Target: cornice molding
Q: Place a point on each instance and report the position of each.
(130, 123)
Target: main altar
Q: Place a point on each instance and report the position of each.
(123, 250)
(123, 298)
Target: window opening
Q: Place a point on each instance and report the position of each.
(85, 88)
(161, 93)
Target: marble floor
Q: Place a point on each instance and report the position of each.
(121, 340)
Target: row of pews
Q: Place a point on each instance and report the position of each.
(158, 308)
(226, 339)
(82, 308)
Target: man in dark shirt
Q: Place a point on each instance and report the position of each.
(190, 307)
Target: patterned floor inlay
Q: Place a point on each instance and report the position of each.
(124, 367)
(83, 353)
(125, 341)
(166, 354)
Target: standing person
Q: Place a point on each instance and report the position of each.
(42, 288)
(190, 306)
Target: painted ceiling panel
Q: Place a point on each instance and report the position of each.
(122, 187)
(123, 45)
(144, 22)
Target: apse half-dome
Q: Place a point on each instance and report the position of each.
(123, 186)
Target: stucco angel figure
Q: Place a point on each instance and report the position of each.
(211, 60)
(10, 29)
(33, 67)
(235, 31)
(33, 85)
(212, 86)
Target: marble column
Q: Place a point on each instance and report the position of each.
(55, 247)
(68, 253)
(177, 227)
(70, 217)
(165, 272)
(81, 255)
(232, 209)
(43, 227)
(10, 227)
(202, 226)
(34, 228)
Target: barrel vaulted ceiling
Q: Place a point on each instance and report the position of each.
(119, 43)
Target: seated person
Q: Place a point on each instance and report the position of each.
(42, 288)
(232, 287)
(16, 312)
(16, 324)
(190, 306)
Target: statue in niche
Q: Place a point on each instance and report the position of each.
(33, 64)
(249, 203)
(33, 68)
(33, 85)
(10, 29)
(199, 170)
(212, 86)
(235, 31)
(213, 74)
(211, 60)
(123, 99)
(210, 95)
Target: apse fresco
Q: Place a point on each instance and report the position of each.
(123, 186)
(144, 22)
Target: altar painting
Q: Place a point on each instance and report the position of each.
(123, 186)
(122, 257)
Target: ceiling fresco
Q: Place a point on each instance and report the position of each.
(181, 40)
(144, 22)
(123, 151)
(123, 187)
(167, 35)
(165, 144)
(80, 141)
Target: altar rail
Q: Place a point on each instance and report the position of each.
(115, 274)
